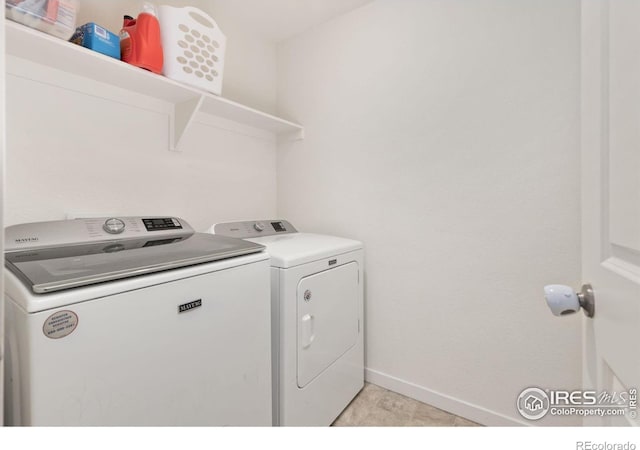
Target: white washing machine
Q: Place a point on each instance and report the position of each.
(317, 319)
(135, 321)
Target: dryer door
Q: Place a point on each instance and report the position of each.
(327, 306)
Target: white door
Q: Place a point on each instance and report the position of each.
(327, 304)
(2, 140)
(611, 195)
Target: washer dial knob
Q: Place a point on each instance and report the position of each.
(113, 226)
(258, 226)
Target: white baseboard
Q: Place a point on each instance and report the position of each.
(453, 405)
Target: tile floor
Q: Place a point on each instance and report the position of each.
(377, 407)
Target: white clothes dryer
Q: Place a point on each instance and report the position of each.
(135, 321)
(317, 319)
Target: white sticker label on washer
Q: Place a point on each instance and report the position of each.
(60, 324)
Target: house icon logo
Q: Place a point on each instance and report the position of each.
(533, 403)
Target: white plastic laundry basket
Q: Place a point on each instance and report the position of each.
(193, 47)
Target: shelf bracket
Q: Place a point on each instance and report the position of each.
(180, 119)
(292, 136)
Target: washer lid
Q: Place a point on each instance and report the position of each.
(289, 250)
(56, 268)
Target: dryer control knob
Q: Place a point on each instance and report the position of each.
(258, 226)
(113, 226)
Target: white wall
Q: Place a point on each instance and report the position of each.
(445, 136)
(75, 153)
(117, 163)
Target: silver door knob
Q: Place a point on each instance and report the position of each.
(562, 300)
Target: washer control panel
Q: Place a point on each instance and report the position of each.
(80, 231)
(161, 224)
(253, 228)
(113, 226)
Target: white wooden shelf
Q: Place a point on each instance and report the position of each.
(36, 47)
